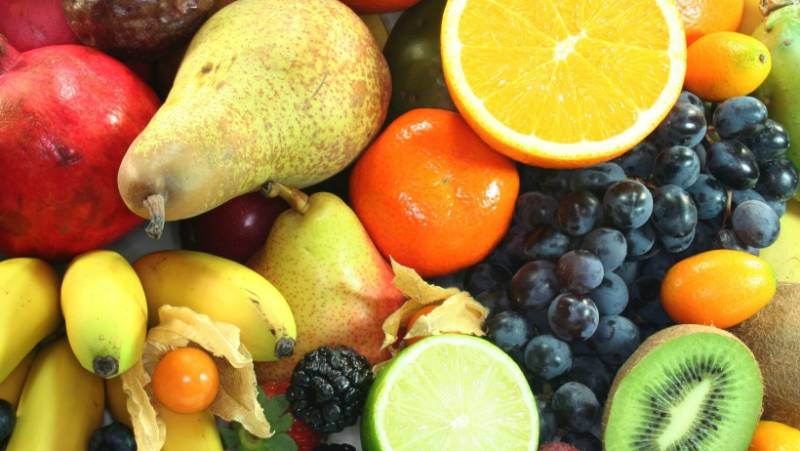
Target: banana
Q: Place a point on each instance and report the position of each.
(11, 388)
(117, 401)
(224, 290)
(190, 432)
(28, 309)
(105, 312)
(61, 404)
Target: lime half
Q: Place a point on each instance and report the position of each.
(450, 392)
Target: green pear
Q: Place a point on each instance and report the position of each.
(339, 287)
(268, 90)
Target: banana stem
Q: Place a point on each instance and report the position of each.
(9, 56)
(297, 199)
(767, 6)
(156, 209)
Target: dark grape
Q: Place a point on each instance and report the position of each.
(732, 164)
(692, 98)
(675, 244)
(576, 407)
(611, 297)
(639, 161)
(656, 266)
(578, 212)
(508, 330)
(652, 313)
(629, 271)
(590, 371)
(640, 241)
(572, 317)
(756, 224)
(596, 179)
(676, 165)
(486, 276)
(674, 213)
(8, 419)
(529, 177)
(628, 204)
(555, 182)
(546, 243)
(535, 208)
(535, 284)
(739, 196)
(583, 442)
(547, 421)
(727, 239)
(615, 339)
(703, 237)
(709, 196)
(700, 151)
(778, 179)
(547, 357)
(685, 125)
(510, 253)
(608, 245)
(767, 141)
(778, 206)
(496, 300)
(738, 114)
(579, 271)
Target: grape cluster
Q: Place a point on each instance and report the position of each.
(574, 286)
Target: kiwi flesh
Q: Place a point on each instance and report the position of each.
(773, 335)
(687, 387)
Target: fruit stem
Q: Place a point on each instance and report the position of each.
(767, 6)
(156, 209)
(297, 199)
(9, 56)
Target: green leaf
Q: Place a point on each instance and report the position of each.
(230, 438)
(282, 423)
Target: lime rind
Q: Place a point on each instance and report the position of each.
(451, 392)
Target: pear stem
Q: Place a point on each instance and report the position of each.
(297, 199)
(767, 6)
(156, 209)
(9, 56)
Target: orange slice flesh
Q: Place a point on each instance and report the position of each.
(563, 83)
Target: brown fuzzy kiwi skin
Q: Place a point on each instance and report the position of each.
(773, 335)
(653, 342)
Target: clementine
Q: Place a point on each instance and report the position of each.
(431, 194)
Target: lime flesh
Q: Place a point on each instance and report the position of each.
(450, 392)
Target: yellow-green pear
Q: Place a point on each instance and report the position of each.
(268, 90)
(338, 285)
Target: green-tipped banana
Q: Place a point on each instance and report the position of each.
(224, 290)
(61, 404)
(105, 312)
(28, 309)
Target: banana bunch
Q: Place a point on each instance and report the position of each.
(61, 403)
(224, 290)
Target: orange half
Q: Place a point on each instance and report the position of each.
(563, 83)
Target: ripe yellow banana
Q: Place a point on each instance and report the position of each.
(192, 432)
(61, 404)
(29, 308)
(116, 401)
(11, 388)
(224, 290)
(105, 312)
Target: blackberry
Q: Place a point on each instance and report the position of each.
(335, 447)
(329, 387)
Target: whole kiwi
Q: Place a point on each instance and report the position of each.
(140, 29)
(773, 335)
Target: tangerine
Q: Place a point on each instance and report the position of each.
(774, 436)
(719, 288)
(431, 194)
(701, 17)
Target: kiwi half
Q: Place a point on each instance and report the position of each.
(687, 388)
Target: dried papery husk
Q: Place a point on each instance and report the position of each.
(237, 398)
(458, 312)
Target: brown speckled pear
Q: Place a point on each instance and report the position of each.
(269, 90)
(339, 287)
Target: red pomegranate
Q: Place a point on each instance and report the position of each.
(67, 115)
